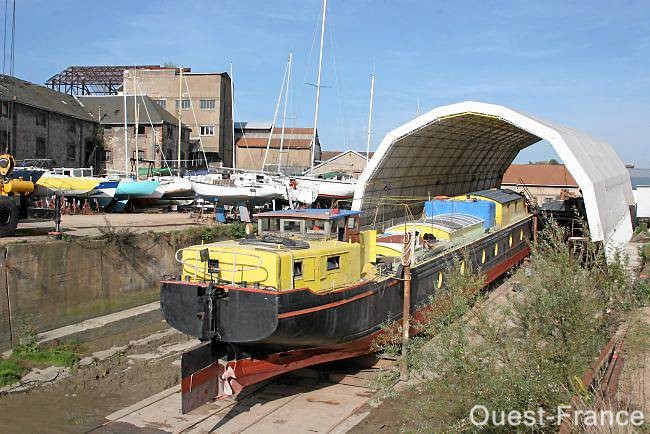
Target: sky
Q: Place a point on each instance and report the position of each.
(584, 64)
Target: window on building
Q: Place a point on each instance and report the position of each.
(207, 130)
(41, 148)
(106, 155)
(185, 104)
(72, 126)
(72, 152)
(4, 109)
(333, 262)
(161, 102)
(140, 155)
(208, 104)
(170, 132)
(41, 119)
(141, 129)
(5, 141)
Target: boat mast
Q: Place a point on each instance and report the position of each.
(284, 112)
(126, 134)
(320, 69)
(180, 115)
(372, 93)
(275, 118)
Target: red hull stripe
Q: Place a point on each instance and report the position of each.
(325, 306)
(200, 377)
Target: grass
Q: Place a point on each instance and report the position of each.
(10, 371)
(30, 354)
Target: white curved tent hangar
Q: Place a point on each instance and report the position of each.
(468, 146)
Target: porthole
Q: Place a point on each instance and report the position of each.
(496, 249)
(439, 279)
(521, 234)
(462, 268)
(483, 257)
(510, 241)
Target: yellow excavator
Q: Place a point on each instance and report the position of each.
(10, 188)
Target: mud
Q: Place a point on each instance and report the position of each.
(117, 371)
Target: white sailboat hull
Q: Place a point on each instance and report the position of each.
(232, 195)
(327, 188)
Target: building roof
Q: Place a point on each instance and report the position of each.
(639, 176)
(338, 155)
(41, 97)
(266, 126)
(254, 125)
(501, 196)
(310, 213)
(261, 142)
(468, 146)
(112, 110)
(555, 175)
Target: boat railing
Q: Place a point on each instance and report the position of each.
(383, 225)
(238, 263)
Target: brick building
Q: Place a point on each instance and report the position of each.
(41, 123)
(543, 181)
(156, 133)
(252, 138)
(205, 106)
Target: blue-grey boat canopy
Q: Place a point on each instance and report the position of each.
(498, 195)
(468, 146)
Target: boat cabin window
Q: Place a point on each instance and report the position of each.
(269, 225)
(333, 262)
(291, 225)
(315, 226)
(297, 269)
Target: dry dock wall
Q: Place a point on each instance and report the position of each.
(50, 284)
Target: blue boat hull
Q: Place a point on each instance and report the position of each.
(131, 188)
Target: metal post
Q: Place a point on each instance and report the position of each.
(406, 312)
(372, 93)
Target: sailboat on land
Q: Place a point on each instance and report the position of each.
(342, 188)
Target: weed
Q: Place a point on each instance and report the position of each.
(523, 355)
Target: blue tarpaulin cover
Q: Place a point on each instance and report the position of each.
(482, 209)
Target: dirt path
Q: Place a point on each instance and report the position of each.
(634, 385)
(120, 371)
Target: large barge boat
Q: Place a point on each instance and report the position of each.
(314, 287)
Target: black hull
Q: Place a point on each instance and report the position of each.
(262, 321)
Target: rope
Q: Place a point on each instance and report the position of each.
(195, 122)
(137, 83)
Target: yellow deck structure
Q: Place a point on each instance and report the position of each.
(510, 205)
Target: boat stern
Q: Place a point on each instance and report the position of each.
(208, 311)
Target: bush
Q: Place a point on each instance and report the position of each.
(524, 355)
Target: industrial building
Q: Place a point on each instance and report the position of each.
(156, 134)
(544, 182)
(203, 101)
(41, 123)
(253, 138)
